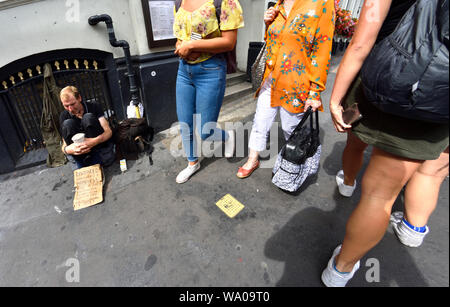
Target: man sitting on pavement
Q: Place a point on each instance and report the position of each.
(87, 118)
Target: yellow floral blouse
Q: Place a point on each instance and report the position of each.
(204, 21)
(299, 52)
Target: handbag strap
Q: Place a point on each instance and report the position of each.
(317, 120)
(305, 118)
(302, 122)
(260, 55)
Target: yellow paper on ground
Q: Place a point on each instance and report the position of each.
(88, 183)
(230, 206)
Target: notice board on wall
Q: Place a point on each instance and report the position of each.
(159, 17)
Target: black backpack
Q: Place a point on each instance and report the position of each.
(131, 137)
(229, 56)
(407, 73)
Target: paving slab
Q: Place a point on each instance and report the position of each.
(150, 231)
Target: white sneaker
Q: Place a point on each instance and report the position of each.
(405, 234)
(332, 278)
(230, 144)
(185, 174)
(345, 190)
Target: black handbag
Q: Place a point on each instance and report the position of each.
(304, 141)
(300, 156)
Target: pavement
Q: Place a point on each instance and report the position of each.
(150, 231)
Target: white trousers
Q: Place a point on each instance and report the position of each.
(264, 118)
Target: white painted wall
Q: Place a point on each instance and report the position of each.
(48, 25)
(30, 27)
(253, 30)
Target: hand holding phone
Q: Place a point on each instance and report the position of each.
(351, 115)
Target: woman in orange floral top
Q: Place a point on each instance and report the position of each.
(298, 41)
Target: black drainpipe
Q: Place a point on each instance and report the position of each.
(94, 20)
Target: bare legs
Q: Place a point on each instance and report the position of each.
(352, 158)
(428, 178)
(384, 178)
(382, 182)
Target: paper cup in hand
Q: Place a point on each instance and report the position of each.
(78, 138)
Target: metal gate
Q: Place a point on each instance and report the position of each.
(21, 95)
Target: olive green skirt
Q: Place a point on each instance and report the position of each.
(400, 136)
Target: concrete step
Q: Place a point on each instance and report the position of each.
(238, 109)
(235, 78)
(32, 158)
(236, 91)
(239, 104)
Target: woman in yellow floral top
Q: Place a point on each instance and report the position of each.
(299, 41)
(202, 40)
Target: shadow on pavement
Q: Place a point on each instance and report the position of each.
(306, 242)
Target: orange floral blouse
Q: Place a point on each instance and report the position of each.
(299, 52)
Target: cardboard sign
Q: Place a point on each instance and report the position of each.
(230, 206)
(88, 183)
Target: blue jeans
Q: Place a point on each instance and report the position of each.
(104, 156)
(200, 90)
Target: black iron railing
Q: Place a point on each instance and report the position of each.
(22, 94)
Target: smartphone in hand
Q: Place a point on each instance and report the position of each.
(351, 115)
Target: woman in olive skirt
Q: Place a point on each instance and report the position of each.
(404, 151)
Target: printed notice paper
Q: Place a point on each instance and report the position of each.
(161, 15)
(88, 183)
